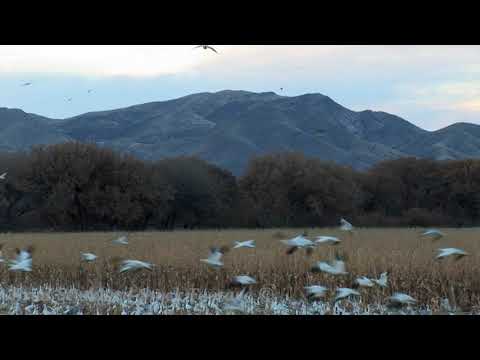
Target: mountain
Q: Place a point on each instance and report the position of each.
(227, 128)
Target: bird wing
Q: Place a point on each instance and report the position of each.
(211, 48)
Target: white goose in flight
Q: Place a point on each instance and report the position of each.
(297, 243)
(88, 257)
(398, 300)
(345, 225)
(315, 292)
(129, 265)
(244, 244)
(343, 293)
(382, 281)
(243, 280)
(447, 252)
(123, 240)
(23, 262)
(337, 267)
(215, 257)
(327, 240)
(434, 234)
(363, 281)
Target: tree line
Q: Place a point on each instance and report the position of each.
(81, 187)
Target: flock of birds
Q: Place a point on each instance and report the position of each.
(23, 263)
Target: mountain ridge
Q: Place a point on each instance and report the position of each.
(228, 127)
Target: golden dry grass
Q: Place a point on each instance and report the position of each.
(407, 258)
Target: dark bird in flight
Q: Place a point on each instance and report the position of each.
(69, 99)
(206, 47)
(27, 84)
(89, 91)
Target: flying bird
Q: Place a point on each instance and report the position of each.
(343, 293)
(88, 257)
(3, 176)
(237, 303)
(327, 240)
(69, 99)
(244, 244)
(315, 292)
(345, 225)
(398, 300)
(434, 234)
(382, 281)
(457, 253)
(27, 83)
(206, 47)
(297, 243)
(129, 265)
(123, 240)
(337, 267)
(89, 91)
(215, 257)
(243, 280)
(363, 281)
(23, 262)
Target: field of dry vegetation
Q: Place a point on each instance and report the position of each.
(409, 260)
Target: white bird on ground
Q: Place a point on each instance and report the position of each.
(88, 257)
(244, 244)
(343, 293)
(457, 253)
(206, 47)
(23, 262)
(315, 292)
(345, 225)
(327, 240)
(337, 267)
(364, 282)
(215, 257)
(3, 176)
(382, 281)
(297, 243)
(243, 280)
(123, 240)
(129, 265)
(400, 299)
(434, 234)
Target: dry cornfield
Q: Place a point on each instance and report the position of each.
(408, 259)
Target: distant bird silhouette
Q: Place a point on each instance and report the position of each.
(3, 176)
(69, 99)
(27, 84)
(89, 91)
(206, 47)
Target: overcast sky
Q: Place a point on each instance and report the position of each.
(431, 86)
